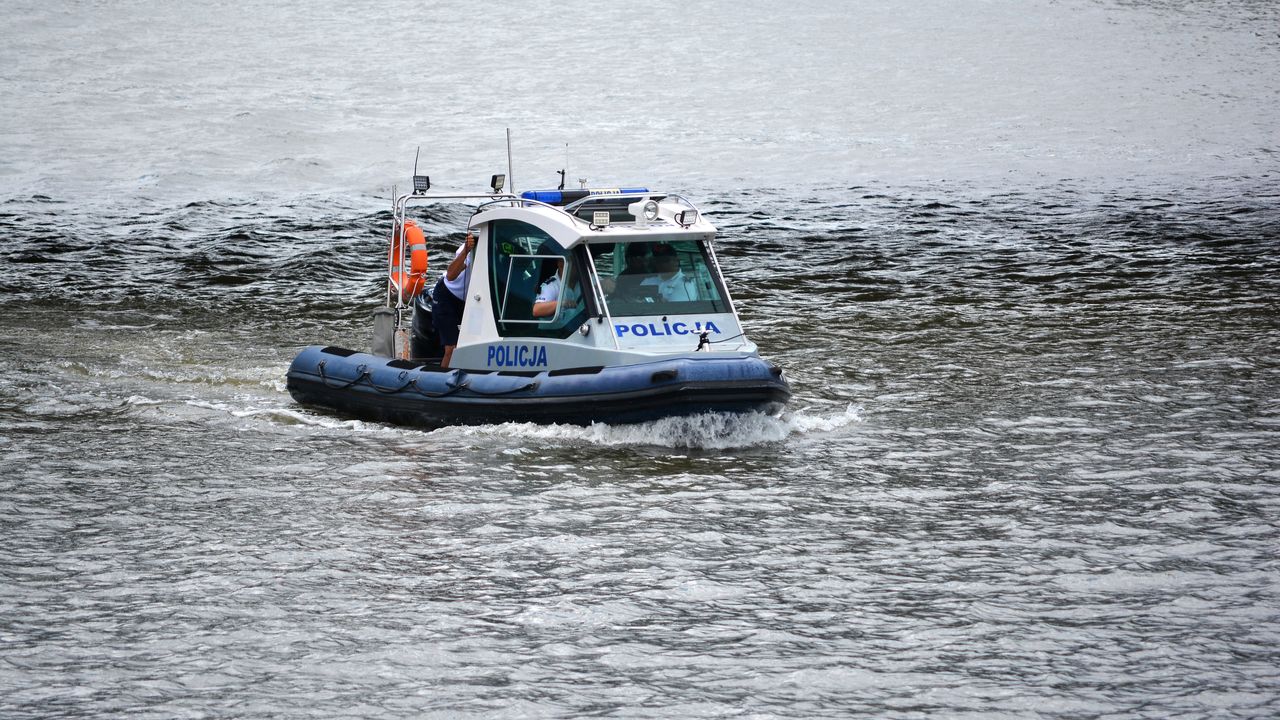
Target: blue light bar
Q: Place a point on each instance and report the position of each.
(564, 197)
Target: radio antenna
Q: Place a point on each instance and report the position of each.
(415, 159)
(511, 178)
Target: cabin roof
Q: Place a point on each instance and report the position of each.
(569, 230)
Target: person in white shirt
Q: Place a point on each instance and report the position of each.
(448, 299)
(553, 293)
(673, 284)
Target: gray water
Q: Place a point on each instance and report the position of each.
(1020, 262)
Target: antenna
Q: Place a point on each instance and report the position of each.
(415, 159)
(511, 178)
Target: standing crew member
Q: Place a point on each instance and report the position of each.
(449, 297)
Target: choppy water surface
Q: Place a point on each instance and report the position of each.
(1030, 468)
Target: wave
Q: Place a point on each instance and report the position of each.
(708, 431)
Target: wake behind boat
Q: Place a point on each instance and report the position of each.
(576, 306)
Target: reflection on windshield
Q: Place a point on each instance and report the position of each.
(658, 278)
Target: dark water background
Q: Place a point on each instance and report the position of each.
(1020, 261)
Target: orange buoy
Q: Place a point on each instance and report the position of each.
(410, 282)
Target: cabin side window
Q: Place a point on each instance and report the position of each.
(658, 278)
(536, 284)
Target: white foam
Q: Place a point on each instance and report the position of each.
(141, 400)
(285, 416)
(715, 431)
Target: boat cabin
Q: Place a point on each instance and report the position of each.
(587, 278)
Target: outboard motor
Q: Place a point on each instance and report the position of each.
(424, 343)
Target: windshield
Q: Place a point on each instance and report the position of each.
(658, 278)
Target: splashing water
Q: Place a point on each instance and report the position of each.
(707, 431)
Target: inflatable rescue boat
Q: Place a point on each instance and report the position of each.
(642, 326)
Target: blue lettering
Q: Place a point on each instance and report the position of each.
(666, 328)
(518, 355)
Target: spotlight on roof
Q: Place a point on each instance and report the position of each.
(421, 183)
(497, 182)
(645, 211)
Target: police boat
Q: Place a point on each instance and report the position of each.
(643, 326)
